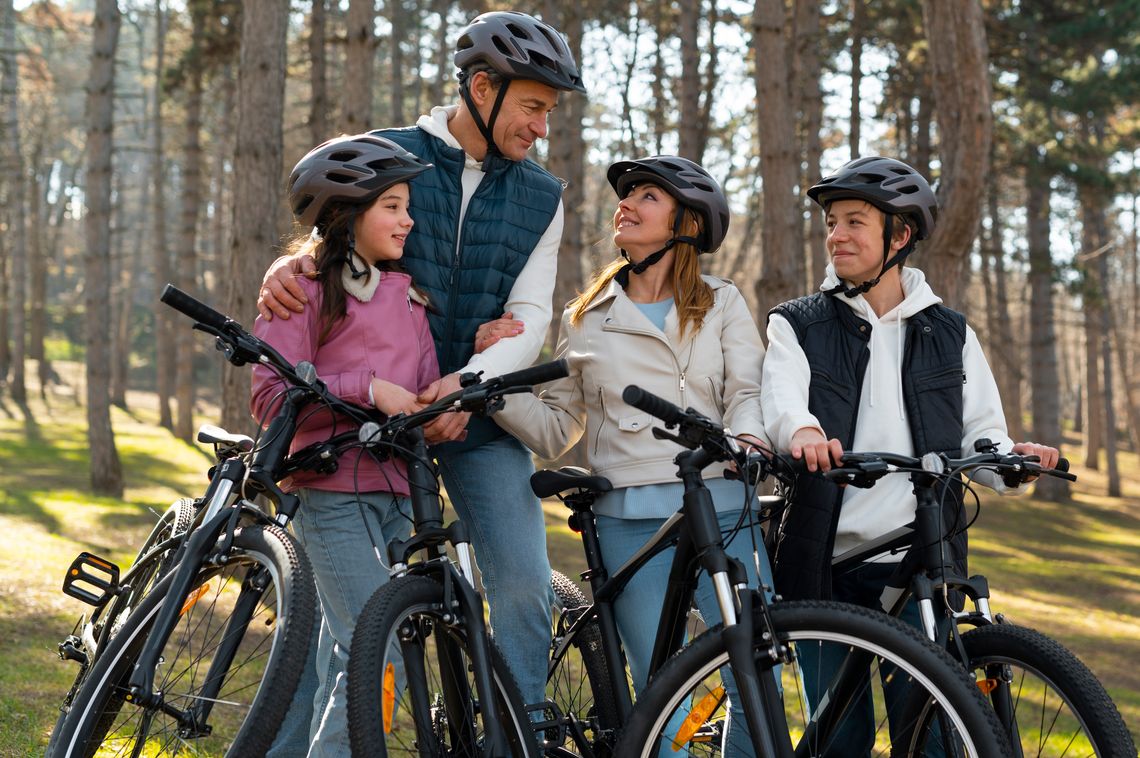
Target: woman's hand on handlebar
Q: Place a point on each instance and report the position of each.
(280, 293)
(449, 426)
(817, 452)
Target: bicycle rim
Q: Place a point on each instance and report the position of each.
(411, 688)
(227, 672)
(1051, 705)
(687, 710)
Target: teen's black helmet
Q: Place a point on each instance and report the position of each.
(888, 184)
(353, 169)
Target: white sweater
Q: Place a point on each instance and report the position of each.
(882, 422)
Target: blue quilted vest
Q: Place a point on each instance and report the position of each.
(468, 270)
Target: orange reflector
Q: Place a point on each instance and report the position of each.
(697, 717)
(193, 599)
(987, 685)
(389, 702)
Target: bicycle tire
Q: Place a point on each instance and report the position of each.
(267, 573)
(804, 626)
(411, 610)
(578, 678)
(1059, 706)
(106, 620)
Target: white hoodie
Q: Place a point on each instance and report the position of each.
(882, 423)
(533, 290)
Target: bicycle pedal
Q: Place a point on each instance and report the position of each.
(91, 579)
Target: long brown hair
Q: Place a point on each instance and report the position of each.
(691, 296)
(330, 251)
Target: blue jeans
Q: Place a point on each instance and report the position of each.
(489, 487)
(638, 607)
(346, 538)
(855, 736)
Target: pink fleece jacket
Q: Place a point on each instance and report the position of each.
(387, 337)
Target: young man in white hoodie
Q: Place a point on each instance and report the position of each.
(488, 227)
(873, 361)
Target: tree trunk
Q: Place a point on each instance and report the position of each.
(858, 14)
(318, 74)
(16, 184)
(164, 353)
(960, 77)
(106, 470)
(120, 297)
(922, 146)
(356, 105)
(1008, 353)
(187, 257)
(443, 50)
(257, 178)
(38, 266)
(782, 268)
(689, 104)
(659, 81)
(808, 36)
(396, 17)
(1042, 339)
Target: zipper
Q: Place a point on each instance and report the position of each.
(601, 425)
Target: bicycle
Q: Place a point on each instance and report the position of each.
(1049, 702)
(210, 657)
(422, 666)
(685, 708)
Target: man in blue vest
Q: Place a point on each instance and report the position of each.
(873, 361)
(488, 222)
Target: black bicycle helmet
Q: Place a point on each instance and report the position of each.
(354, 169)
(689, 184)
(518, 46)
(888, 184)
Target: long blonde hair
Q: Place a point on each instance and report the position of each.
(691, 296)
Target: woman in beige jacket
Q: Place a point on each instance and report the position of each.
(650, 318)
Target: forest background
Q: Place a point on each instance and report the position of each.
(148, 142)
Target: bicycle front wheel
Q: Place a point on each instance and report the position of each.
(410, 686)
(226, 674)
(847, 689)
(1048, 701)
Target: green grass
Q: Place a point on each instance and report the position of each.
(1070, 570)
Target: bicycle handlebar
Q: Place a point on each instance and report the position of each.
(870, 466)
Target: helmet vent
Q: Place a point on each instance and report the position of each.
(343, 156)
(503, 47)
(543, 61)
(339, 178)
(519, 31)
(909, 189)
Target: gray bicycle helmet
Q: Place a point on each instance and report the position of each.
(890, 185)
(518, 46)
(354, 169)
(689, 184)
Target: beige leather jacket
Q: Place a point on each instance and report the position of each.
(715, 371)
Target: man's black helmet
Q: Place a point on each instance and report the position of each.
(888, 184)
(518, 46)
(689, 184)
(354, 169)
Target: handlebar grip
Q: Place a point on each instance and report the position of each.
(653, 405)
(543, 372)
(1062, 464)
(192, 307)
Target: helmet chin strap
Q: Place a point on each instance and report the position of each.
(888, 263)
(638, 268)
(485, 128)
(351, 255)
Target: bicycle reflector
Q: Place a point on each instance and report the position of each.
(91, 579)
(693, 728)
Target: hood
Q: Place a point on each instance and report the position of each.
(917, 295)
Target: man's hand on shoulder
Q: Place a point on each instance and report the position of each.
(281, 293)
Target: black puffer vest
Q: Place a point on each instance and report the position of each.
(835, 341)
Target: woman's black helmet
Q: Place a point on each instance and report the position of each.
(354, 169)
(518, 46)
(888, 184)
(689, 184)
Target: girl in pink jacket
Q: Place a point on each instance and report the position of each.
(366, 331)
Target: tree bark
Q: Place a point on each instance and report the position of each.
(38, 264)
(318, 73)
(187, 257)
(782, 268)
(858, 14)
(397, 15)
(164, 354)
(1008, 353)
(808, 68)
(356, 105)
(960, 81)
(106, 470)
(1042, 339)
(257, 178)
(689, 104)
(17, 191)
